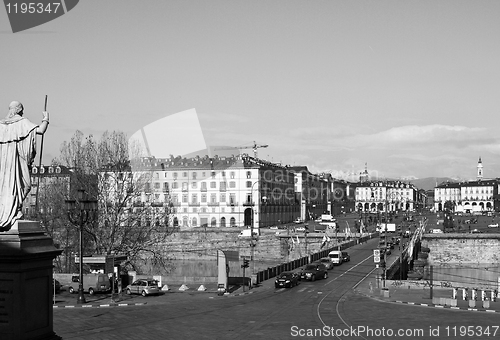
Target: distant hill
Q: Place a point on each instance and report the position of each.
(429, 183)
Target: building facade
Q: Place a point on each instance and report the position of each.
(220, 191)
(385, 196)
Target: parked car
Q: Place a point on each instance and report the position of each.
(298, 220)
(346, 257)
(493, 225)
(56, 286)
(287, 279)
(327, 262)
(144, 287)
(314, 271)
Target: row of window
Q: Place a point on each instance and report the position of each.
(194, 185)
(193, 222)
(51, 170)
(194, 174)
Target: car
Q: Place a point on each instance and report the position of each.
(314, 271)
(56, 286)
(475, 231)
(346, 257)
(300, 229)
(327, 262)
(493, 225)
(287, 280)
(144, 287)
(298, 220)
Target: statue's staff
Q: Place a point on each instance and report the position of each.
(40, 164)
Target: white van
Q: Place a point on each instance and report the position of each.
(92, 283)
(335, 256)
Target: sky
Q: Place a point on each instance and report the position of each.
(410, 89)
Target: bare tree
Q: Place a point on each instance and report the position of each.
(129, 221)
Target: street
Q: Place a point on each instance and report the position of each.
(267, 312)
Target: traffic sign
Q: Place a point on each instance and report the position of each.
(376, 252)
(376, 259)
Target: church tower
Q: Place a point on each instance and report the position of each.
(479, 170)
(364, 176)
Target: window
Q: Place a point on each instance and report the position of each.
(175, 198)
(232, 199)
(249, 174)
(223, 174)
(213, 198)
(194, 185)
(184, 174)
(203, 198)
(213, 185)
(165, 186)
(223, 198)
(194, 198)
(194, 222)
(184, 186)
(175, 174)
(232, 184)
(213, 174)
(231, 174)
(249, 184)
(203, 174)
(194, 174)
(184, 198)
(51, 170)
(157, 185)
(222, 221)
(175, 185)
(222, 186)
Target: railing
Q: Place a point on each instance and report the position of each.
(274, 271)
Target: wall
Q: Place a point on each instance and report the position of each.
(464, 249)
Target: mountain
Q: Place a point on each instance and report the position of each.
(429, 183)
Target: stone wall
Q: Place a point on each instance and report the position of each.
(462, 249)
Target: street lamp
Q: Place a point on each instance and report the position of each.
(80, 212)
(253, 241)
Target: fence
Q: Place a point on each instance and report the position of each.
(271, 272)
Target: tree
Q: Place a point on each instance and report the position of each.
(130, 222)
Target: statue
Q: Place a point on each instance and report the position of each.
(17, 153)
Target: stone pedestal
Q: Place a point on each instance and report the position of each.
(26, 255)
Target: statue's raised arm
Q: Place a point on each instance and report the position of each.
(17, 153)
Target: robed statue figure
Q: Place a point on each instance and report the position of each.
(17, 153)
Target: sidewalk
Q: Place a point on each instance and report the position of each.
(66, 300)
(441, 297)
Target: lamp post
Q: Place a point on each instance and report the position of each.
(253, 241)
(80, 212)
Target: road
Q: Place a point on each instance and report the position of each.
(311, 308)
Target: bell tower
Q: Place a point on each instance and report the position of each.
(479, 170)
